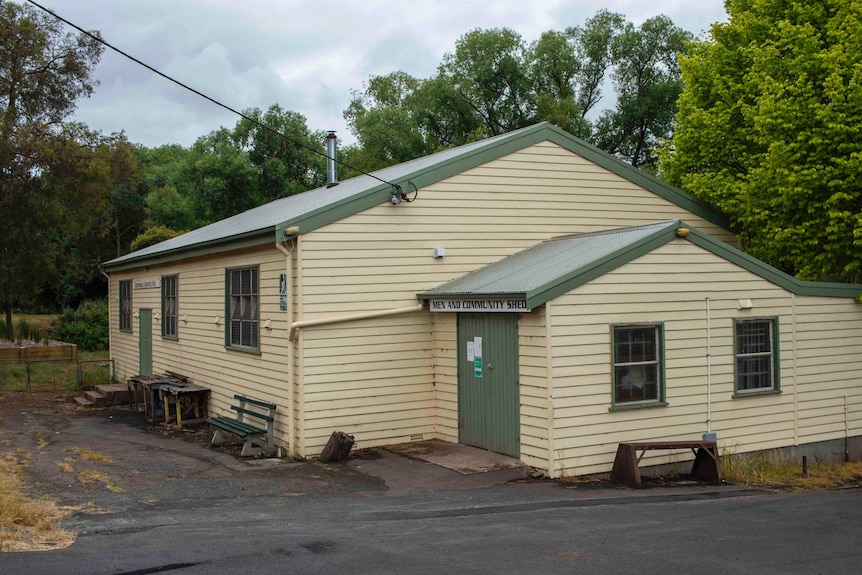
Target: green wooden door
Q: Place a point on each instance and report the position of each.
(488, 394)
(145, 342)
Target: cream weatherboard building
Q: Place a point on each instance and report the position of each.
(536, 298)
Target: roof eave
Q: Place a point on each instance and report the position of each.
(236, 242)
(771, 274)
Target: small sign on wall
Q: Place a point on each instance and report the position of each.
(282, 292)
(477, 359)
(148, 284)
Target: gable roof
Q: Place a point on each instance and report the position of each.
(316, 208)
(556, 266)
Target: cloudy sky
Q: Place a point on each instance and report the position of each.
(306, 56)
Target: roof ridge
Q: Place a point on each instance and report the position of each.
(620, 230)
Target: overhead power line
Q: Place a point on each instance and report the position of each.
(205, 97)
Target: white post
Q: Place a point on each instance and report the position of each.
(708, 371)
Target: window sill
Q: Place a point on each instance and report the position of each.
(627, 407)
(248, 350)
(745, 394)
(171, 337)
(126, 331)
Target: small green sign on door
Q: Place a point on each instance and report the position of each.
(477, 367)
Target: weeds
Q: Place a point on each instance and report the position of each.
(41, 438)
(26, 523)
(88, 454)
(760, 469)
(90, 477)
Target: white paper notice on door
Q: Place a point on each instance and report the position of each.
(477, 346)
(470, 355)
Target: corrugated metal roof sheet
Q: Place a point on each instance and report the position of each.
(543, 266)
(319, 207)
(268, 216)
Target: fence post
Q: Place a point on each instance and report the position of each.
(27, 367)
(80, 375)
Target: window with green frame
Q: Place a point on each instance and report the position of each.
(756, 355)
(638, 358)
(242, 328)
(170, 285)
(126, 305)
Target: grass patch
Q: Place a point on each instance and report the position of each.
(759, 469)
(27, 524)
(66, 465)
(88, 454)
(41, 438)
(92, 477)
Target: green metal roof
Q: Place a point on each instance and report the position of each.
(316, 208)
(556, 266)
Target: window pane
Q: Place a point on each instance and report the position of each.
(755, 356)
(243, 307)
(754, 372)
(753, 337)
(637, 366)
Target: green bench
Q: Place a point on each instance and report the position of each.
(240, 427)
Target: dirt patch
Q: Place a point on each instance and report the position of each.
(113, 459)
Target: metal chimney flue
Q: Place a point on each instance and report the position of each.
(331, 164)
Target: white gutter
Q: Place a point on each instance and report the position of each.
(297, 325)
(288, 267)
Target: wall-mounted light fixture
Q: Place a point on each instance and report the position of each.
(185, 319)
(136, 315)
(683, 232)
(217, 320)
(267, 323)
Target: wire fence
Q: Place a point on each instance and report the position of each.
(71, 375)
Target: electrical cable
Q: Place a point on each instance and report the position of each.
(210, 99)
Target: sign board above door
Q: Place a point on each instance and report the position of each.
(479, 305)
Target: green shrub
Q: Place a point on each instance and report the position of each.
(86, 327)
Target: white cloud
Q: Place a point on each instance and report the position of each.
(306, 56)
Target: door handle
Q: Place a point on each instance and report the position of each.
(490, 366)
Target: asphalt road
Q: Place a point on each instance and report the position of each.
(503, 529)
(186, 509)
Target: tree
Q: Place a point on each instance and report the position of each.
(43, 72)
(490, 73)
(493, 83)
(647, 81)
(284, 166)
(223, 178)
(153, 236)
(769, 130)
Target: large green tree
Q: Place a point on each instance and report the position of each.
(647, 80)
(769, 130)
(493, 83)
(43, 72)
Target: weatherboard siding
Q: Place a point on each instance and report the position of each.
(382, 258)
(445, 368)
(587, 431)
(370, 378)
(533, 385)
(199, 351)
(829, 365)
